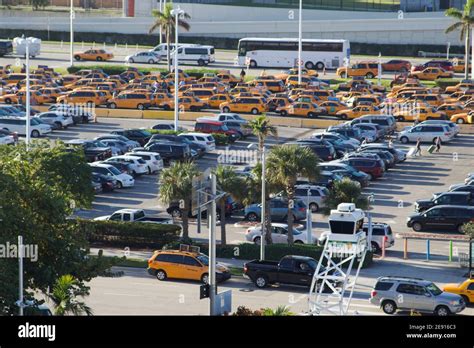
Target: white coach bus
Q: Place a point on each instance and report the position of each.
(283, 53)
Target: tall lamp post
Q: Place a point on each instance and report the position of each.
(300, 46)
(71, 15)
(28, 111)
(176, 12)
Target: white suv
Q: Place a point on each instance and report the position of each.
(153, 160)
(427, 133)
(202, 139)
(313, 194)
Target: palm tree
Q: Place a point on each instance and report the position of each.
(287, 163)
(64, 294)
(229, 182)
(464, 23)
(262, 128)
(345, 191)
(177, 185)
(166, 21)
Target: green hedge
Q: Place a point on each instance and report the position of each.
(129, 234)
(221, 139)
(118, 69)
(164, 131)
(248, 251)
(443, 83)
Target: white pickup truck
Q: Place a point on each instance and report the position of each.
(134, 215)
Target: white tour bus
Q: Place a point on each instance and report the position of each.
(283, 53)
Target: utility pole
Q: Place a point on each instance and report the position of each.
(20, 272)
(71, 53)
(300, 46)
(28, 111)
(176, 13)
(212, 246)
(262, 212)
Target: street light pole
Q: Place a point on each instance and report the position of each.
(20, 272)
(176, 13)
(161, 33)
(299, 41)
(28, 112)
(71, 53)
(309, 219)
(212, 247)
(262, 212)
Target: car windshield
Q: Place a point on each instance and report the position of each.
(312, 264)
(144, 132)
(434, 289)
(114, 171)
(204, 259)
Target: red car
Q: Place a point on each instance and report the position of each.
(372, 167)
(443, 64)
(396, 65)
(218, 127)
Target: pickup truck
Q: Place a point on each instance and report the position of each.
(291, 269)
(134, 215)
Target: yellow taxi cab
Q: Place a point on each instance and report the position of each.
(321, 94)
(274, 86)
(160, 98)
(217, 99)
(131, 74)
(420, 113)
(368, 99)
(13, 79)
(431, 99)
(431, 74)
(451, 109)
(202, 93)
(307, 98)
(292, 80)
(294, 71)
(305, 109)
(51, 93)
(463, 117)
(182, 76)
(93, 54)
(274, 102)
(465, 289)
(130, 100)
(36, 98)
(333, 107)
(186, 103)
(180, 264)
(358, 111)
(459, 65)
(228, 78)
(463, 86)
(78, 83)
(367, 69)
(82, 97)
(252, 105)
(239, 89)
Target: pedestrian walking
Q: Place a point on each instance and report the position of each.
(438, 144)
(242, 75)
(418, 147)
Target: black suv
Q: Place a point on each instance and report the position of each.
(445, 217)
(170, 151)
(139, 135)
(92, 149)
(200, 149)
(446, 198)
(324, 152)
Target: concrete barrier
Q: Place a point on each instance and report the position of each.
(124, 113)
(159, 115)
(193, 116)
(318, 123)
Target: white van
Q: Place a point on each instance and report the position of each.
(426, 133)
(18, 125)
(19, 44)
(123, 180)
(202, 55)
(161, 49)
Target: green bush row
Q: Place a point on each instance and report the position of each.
(118, 69)
(164, 131)
(274, 252)
(221, 139)
(129, 234)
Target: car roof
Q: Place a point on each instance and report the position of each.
(177, 252)
(404, 279)
(197, 134)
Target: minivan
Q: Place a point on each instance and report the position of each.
(18, 125)
(204, 139)
(162, 49)
(387, 122)
(426, 133)
(202, 55)
(444, 217)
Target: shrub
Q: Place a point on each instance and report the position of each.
(164, 131)
(118, 69)
(128, 234)
(443, 83)
(221, 139)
